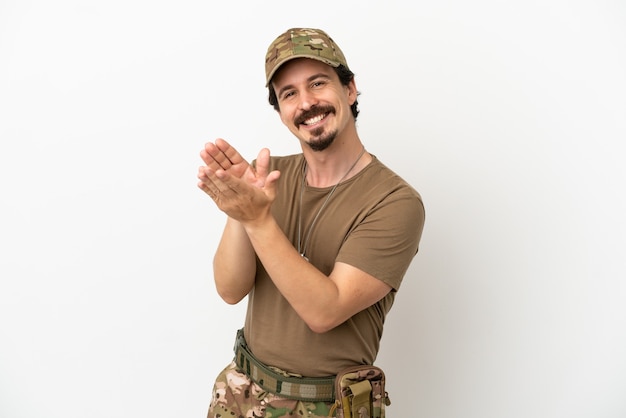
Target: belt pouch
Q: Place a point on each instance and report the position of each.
(360, 393)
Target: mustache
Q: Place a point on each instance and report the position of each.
(314, 111)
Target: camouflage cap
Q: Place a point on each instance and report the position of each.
(302, 43)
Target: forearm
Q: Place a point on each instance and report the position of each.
(312, 294)
(234, 263)
(322, 301)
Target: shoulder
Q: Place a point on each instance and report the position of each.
(388, 184)
(286, 162)
(395, 205)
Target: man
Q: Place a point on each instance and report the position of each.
(319, 241)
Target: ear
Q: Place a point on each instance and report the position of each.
(352, 92)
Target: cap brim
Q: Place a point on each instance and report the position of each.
(326, 61)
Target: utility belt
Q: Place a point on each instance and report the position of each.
(358, 391)
(311, 389)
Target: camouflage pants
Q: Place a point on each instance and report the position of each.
(236, 396)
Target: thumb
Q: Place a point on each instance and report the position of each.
(270, 183)
(263, 163)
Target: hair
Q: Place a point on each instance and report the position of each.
(345, 77)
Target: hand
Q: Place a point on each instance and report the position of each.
(235, 186)
(222, 155)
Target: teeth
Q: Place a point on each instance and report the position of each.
(314, 120)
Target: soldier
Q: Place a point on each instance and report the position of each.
(318, 241)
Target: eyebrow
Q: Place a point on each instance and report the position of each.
(311, 78)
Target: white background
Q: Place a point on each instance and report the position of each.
(508, 117)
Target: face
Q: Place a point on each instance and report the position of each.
(313, 103)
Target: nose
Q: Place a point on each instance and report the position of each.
(307, 100)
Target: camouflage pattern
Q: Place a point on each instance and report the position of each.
(302, 42)
(275, 380)
(236, 396)
(378, 398)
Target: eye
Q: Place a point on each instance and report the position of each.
(287, 94)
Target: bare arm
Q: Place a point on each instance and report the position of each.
(234, 263)
(323, 302)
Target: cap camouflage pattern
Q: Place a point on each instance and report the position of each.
(302, 42)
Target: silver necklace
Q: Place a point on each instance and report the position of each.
(302, 247)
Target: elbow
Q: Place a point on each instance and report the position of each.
(323, 319)
(321, 325)
(319, 330)
(229, 297)
(230, 300)
(232, 291)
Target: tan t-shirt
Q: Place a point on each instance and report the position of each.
(374, 222)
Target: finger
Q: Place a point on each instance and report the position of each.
(270, 183)
(228, 151)
(206, 188)
(207, 157)
(202, 186)
(263, 163)
(214, 158)
(203, 173)
(209, 183)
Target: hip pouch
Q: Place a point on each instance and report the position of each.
(360, 393)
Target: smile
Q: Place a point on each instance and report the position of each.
(315, 119)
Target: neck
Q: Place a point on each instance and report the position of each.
(329, 167)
